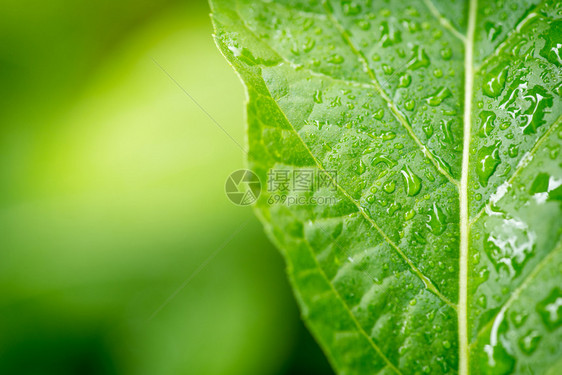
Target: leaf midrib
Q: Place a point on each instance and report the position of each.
(464, 224)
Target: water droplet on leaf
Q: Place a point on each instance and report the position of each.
(405, 80)
(487, 119)
(488, 159)
(494, 81)
(318, 96)
(436, 98)
(530, 342)
(419, 58)
(390, 35)
(446, 53)
(550, 310)
(412, 182)
(436, 220)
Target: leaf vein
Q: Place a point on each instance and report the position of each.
(522, 166)
(428, 283)
(510, 35)
(515, 294)
(394, 109)
(462, 317)
(445, 22)
(348, 310)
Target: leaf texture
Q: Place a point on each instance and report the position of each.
(443, 251)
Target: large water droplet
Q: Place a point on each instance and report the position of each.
(550, 310)
(446, 130)
(336, 59)
(362, 167)
(492, 30)
(387, 136)
(408, 215)
(487, 119)
(508, 103)
(446, 53)
(509, 246)
(539, 100)
(412, 182)
(409, 105)
(488, 159)
(436, 98)
(387, 69)
(428, 130)
(529, 342)
(378, 115)
(552, 50)
(393, 208)
(318, 96)
(498, 361)
(436, 220)
(494, 81)
(389, 186)
(380, 158)
(513, 151)
(405, 80)
(419, 58)
(390, 35)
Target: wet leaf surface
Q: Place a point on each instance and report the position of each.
(442, 120)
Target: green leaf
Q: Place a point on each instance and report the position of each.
(440, 248)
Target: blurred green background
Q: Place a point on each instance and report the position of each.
(112, 196)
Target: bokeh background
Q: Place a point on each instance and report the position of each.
(112, 199)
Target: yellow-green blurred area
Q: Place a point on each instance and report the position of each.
(112, 201)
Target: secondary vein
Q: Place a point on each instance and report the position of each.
(511, 35)
(353, 318)
(427, 282)
(522, 166)
(517, 292)
(444, 21)
(395, 111)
